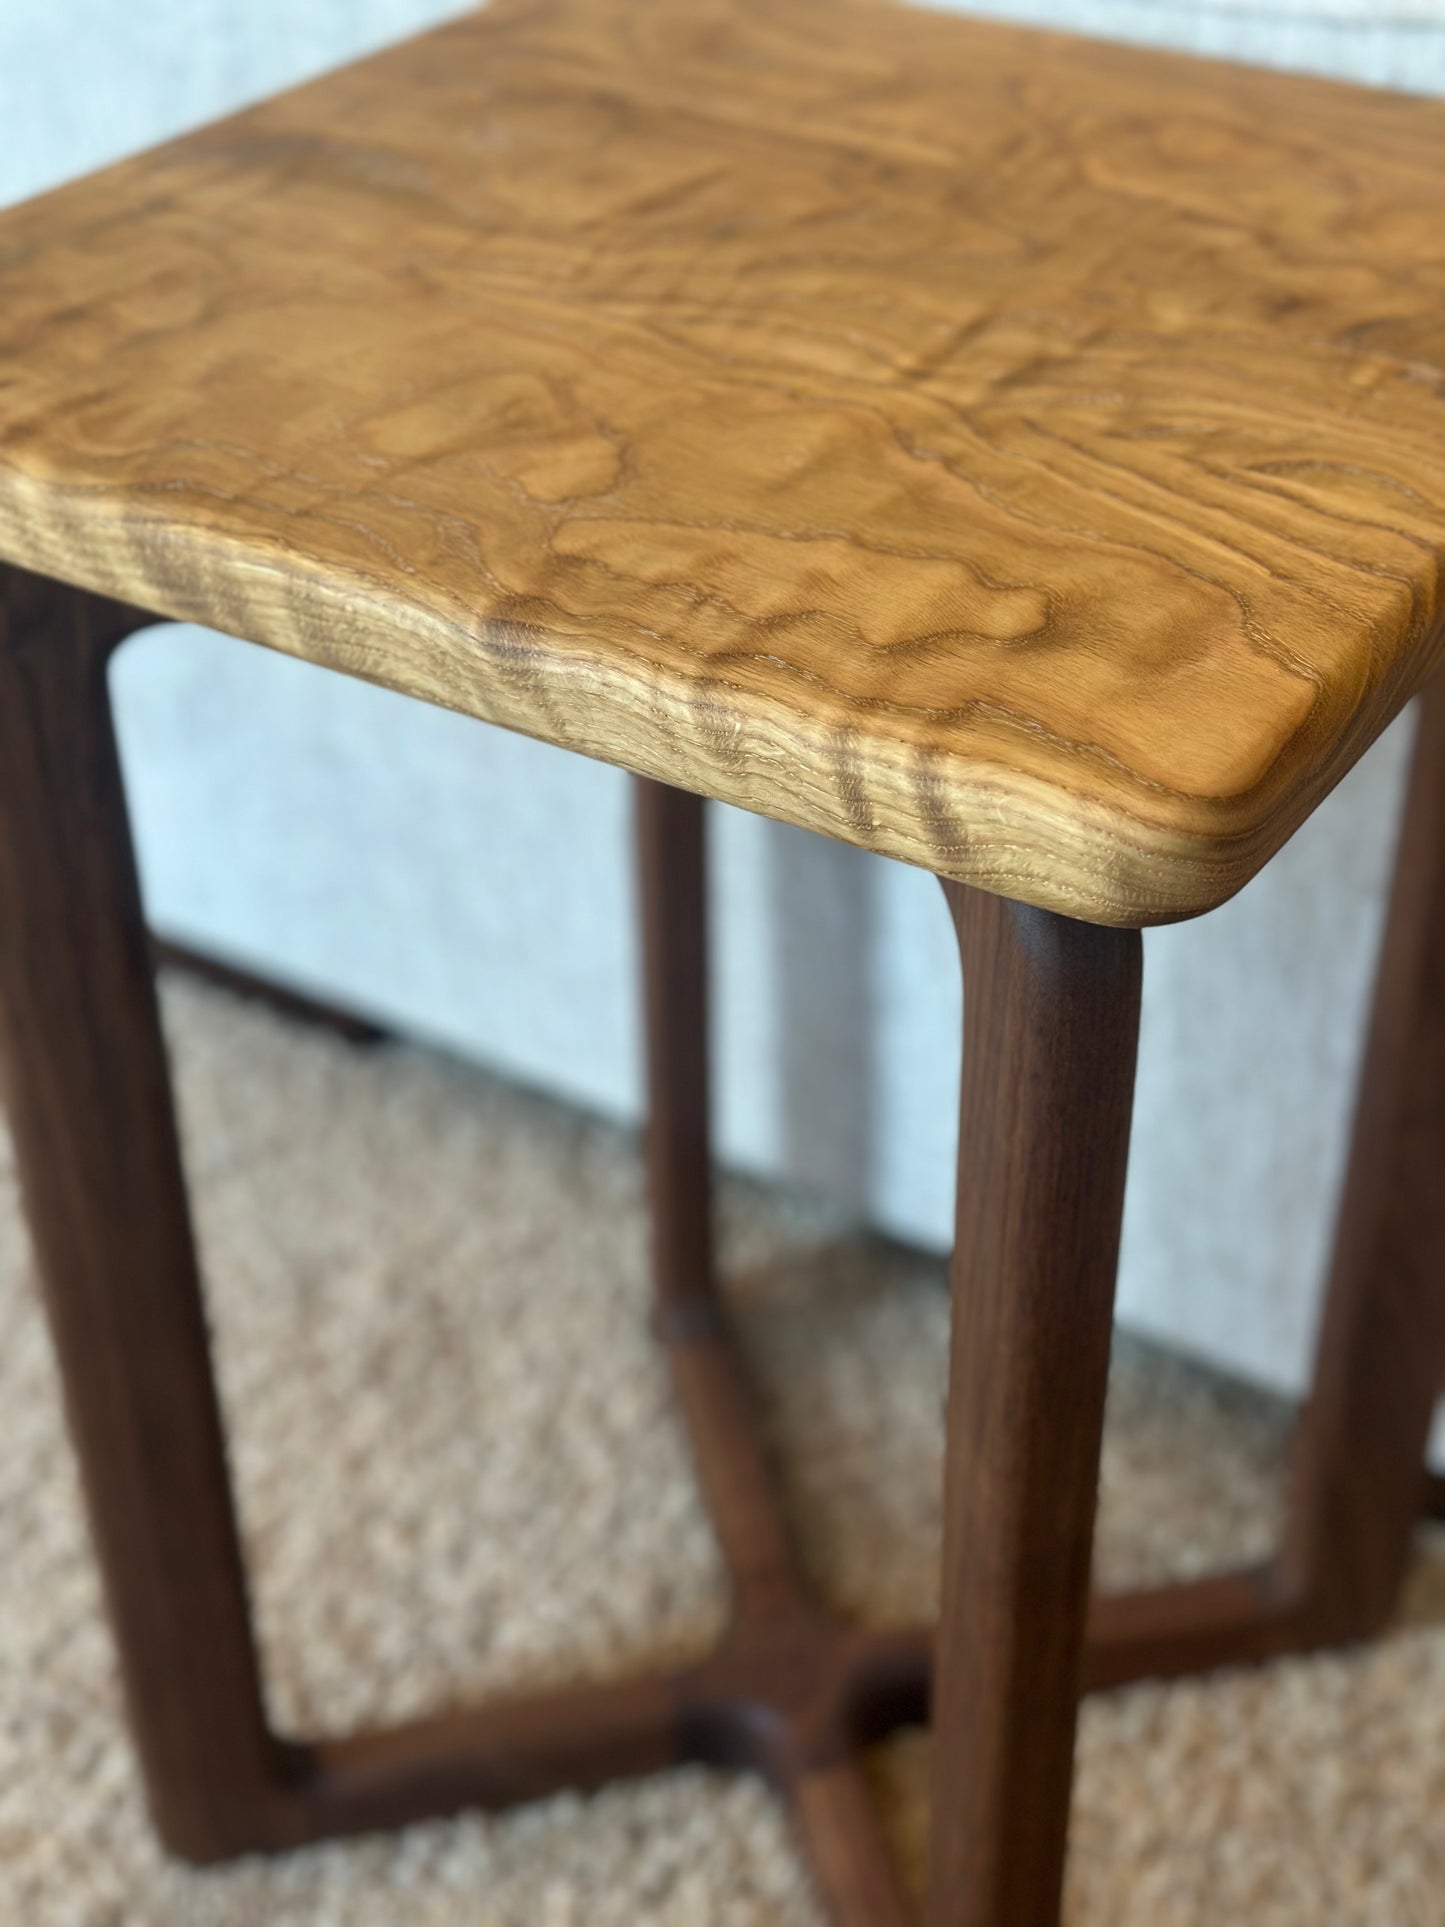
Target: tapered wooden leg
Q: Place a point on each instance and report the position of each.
(1360, 1481)
(782, 1693)
(1051, 1015)
(672, 890)
(89, 1101)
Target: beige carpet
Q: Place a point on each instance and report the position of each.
(459, 1470)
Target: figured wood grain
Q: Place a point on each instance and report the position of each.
(1022, 456)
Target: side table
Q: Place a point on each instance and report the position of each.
(1014, 455)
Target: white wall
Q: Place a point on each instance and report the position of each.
(377, 850)
(366, 846)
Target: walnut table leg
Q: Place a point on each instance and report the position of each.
(1051, 1017)
(90, 1107)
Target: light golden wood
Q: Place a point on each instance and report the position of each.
(1021, 456)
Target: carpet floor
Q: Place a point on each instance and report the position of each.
(459, 1471)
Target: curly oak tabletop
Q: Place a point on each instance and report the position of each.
(1019, 455)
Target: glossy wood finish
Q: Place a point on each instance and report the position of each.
(1018, 455)
(1051, 1025)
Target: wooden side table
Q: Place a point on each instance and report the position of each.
(1018, 456)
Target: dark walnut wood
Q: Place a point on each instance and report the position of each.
(1052, 1009)
(86, 1087)
(1015, 454)
(1051, 1026)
